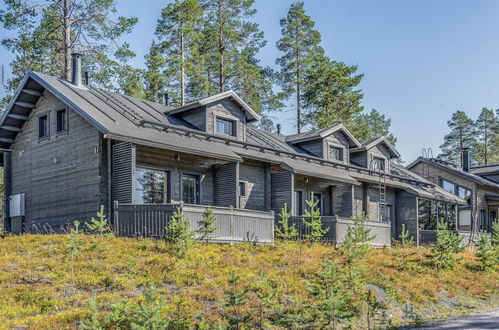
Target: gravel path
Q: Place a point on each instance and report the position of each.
(483, 320)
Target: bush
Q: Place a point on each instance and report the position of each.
(101, 225)
(448, 243)
(495, 233)
(357, 241)
(283, 230)
(405, 239)
(317, 233)
(487, 253)
(179, 235)
(236, 298)
(206, 227)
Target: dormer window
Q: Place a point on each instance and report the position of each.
(335, 153)
(224, 126)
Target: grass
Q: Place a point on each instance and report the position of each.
(44, 285)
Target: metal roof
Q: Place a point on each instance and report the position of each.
(316, 170)
(323, 133)
(366, 145)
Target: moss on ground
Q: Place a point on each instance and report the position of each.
(44, 285)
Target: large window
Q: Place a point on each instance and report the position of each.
(431, 212)
(335, 153)
(61, 121)
(449, 186)
(150, 186)
(43, 127)
(298, 205)
(455, 189)
(465, 220)
(190, 188)
(224, 126)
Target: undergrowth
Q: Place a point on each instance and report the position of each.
(61, 281)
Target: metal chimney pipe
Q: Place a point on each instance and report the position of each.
(466, 160)
(87, 79)
(167, 99)
(76, 76)
(278, 128)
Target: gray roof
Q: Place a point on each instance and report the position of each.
(322, 133)
(369, 144)
(455, 170)
(486, 169)
(126, 118)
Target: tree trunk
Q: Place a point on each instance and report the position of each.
(221, 68)
(182, 69)
(298, 93)
(485, 146)
(67, 40)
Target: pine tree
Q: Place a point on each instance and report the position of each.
(494, 157)
(153, 74)
(176, 30)
(206, 227)
(372, 125)
(299, 42)
(314, 222)
(283, 230)
(236, 297)
(462, 135)
(487, 126)
(179, 234)
(48, 31)
(330, 93)
(447, 245)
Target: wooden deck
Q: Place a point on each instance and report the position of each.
(233, 225)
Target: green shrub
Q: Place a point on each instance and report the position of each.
(101, 225)
(283, 230)
(317, 233)
(206, 227)
(495, 233)
(236, 297)
(447, 245)
(405, 238)
(487, 253)
(357, 241)
(269, 296)
(179, 234)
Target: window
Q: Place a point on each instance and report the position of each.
(61, 121)
(449, 186)
(465, 220)
(298, 207)
(335, 153)
(242, 188)
(387, 217)
(43, 129)
(150, 186)
(484, 224)
(378, 163)
(190, 188)
(463, 192)
(317, 196)
(431, 212)
(224, 126)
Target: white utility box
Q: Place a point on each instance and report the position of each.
(17, 205)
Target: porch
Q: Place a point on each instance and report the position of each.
(338, 227)
(232, 225)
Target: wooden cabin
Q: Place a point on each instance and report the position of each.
(68, 148)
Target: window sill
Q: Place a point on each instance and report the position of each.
(62, 133)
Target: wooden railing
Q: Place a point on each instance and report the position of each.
(338, 228)
(232, 225)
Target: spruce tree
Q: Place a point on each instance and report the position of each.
(314, 222)
(283, 230)
(331, 92)
(487, 126)
(176, 30)
(48, 31)
(153, 74)
(371, 125)
(461, 135)
(206, 225)
(299, 42)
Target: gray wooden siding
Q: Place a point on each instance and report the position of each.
(359, 158)
(195, 117)
(338, 139)
(123, 172)
(281, 190)
(310, 184)
(229, 110)
(61, 176)
(315, 147)
(343, 195)
(226, 184)
(258, 183)
(406, 211)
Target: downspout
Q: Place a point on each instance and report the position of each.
(109, 180)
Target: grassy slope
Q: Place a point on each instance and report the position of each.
(43, 288)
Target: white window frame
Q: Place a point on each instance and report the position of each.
(337, 146)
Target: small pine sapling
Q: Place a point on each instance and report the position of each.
(374, 306)
(267, 291)
(313, 213)
(179, 234)
(495, 233)
(101, 225)
(447, 245)
(487, 253)
(357, 241)
(235, 299)
(73, 246)
(206, 227)
(283, 230)
(405, 239)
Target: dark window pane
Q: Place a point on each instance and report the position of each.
(42, 126)
(61, 120)
(242, 188)
(190, 187)
(298, 210)
(150, 186)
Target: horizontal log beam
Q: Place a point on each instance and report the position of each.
(15, 116)
(32, 92)
(6, 140)
(12, 128)
(25, 105)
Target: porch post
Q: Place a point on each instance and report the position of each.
(7, 183)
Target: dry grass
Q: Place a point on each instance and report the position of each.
(43, 287)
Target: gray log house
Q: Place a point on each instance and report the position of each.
(68, 148)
